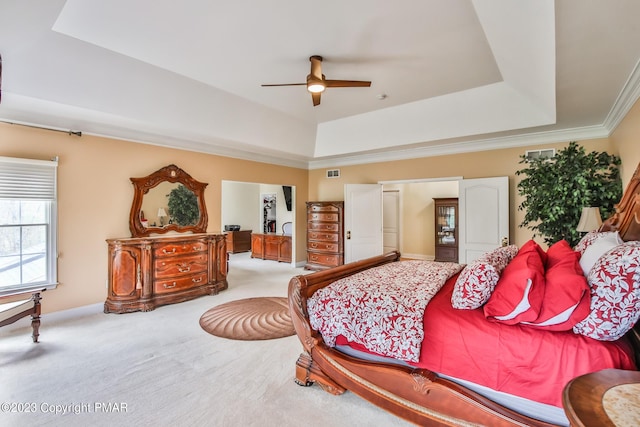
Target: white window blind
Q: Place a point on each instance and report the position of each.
(27, 179)
(28, 224)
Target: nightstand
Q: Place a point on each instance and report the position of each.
(610, 397)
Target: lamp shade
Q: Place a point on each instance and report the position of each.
(161, 213)
(589, 219)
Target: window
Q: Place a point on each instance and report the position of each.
(28, 225)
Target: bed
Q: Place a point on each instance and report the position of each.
(474, 365)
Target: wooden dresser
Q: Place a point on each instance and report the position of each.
(276, 247)
(325, 231)
(146, 272)
(238, 241)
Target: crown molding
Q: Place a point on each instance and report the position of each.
(626, 99)
(550, 137)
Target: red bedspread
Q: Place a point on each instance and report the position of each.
(519, 360)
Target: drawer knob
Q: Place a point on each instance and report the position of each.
(173, 251)
(167, 286)
(197, 280)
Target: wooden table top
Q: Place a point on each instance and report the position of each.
(608, 398)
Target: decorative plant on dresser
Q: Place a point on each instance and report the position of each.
(150, 269)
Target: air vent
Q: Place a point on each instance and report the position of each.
(540, 154)
(333, 173)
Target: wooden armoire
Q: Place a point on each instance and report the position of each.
(446, 229)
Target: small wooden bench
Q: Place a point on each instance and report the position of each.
(12, 311)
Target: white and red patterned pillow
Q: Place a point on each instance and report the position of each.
(615, 294)
(592, 236)
(478, 279)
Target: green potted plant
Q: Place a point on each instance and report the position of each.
(183, 206)
(556, 189)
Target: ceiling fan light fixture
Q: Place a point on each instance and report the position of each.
(315, 87)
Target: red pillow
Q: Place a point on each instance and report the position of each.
(519, 293)
(559, 252)
(566, 293)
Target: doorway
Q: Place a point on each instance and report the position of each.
(414, 223)
(243, 204)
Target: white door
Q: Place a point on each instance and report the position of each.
(390, 221)
(484, 216)
(362, 221)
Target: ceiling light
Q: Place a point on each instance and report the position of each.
(316, 87)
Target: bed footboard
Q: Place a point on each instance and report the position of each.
(417, 395)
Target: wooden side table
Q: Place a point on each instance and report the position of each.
(606, 398)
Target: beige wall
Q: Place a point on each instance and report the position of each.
(95, 193)
(626, 140)
(481, 164)
(95, 196)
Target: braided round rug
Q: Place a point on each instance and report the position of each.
(261, 318)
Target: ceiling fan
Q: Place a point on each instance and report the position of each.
(316, 83)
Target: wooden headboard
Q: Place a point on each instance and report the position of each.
(626, 218)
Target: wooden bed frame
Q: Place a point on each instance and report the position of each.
(417, 395)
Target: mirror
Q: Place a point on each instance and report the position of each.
(167, 200)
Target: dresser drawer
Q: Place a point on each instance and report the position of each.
(181, 283)
(323, 237)
(181, 248)
(323, 246)
(323, 226)
(326, 260)
(176, 266)
(323, 208)
(326, 217)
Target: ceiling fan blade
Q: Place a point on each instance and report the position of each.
(286, 84)
(347, 83)
(316, 66)
(316, 98)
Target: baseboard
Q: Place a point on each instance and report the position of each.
(56, 316)
(421, 257)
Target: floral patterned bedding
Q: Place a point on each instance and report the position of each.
(381, 308)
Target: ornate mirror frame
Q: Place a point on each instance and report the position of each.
(172, 174)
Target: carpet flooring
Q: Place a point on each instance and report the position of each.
(260, 318)
(160, 368)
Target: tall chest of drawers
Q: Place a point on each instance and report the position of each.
(147, 272)
(325, 231)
